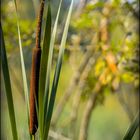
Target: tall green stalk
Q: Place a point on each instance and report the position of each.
(43, 68)
(6, 75)
(132, 129)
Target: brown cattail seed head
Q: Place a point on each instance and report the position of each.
(34, 86)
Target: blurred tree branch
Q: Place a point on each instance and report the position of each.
(72, 86)
(80, 87)
(80, 6)
(57, 136)
(83, 135)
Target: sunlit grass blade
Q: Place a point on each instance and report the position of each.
(57, 72)
(8, 89)
(50, 61)
(25, 84)
(132, 129)
(43, 68)
(23, 72)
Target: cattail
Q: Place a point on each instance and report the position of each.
(34, 89)
(34, 85)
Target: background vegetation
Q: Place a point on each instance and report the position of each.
(98, 91)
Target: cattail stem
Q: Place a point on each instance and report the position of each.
(39, 23)
(34, 83)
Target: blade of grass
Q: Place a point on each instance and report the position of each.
(132, 129)
(43, 68)
(23, 72)
(33, 137)
(57, 72)
(26, 93)
(6, 76)
(47, 86)
(25, 84)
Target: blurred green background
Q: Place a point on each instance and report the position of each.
(101, 57)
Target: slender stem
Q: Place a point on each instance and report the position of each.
(33, 137)
(36, 56)
(39, 24)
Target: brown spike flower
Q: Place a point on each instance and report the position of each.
(34, 85)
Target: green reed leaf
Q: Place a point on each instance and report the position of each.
(57, 71)
(25, 84)
(6, 75)
(49, 63)
(43, 68)
(132, 129)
